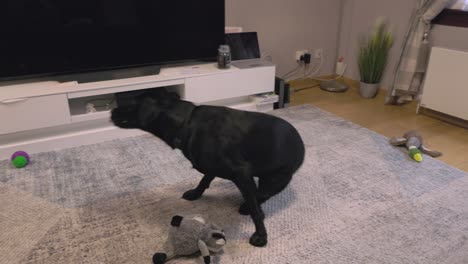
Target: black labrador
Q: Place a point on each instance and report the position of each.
(222, 142)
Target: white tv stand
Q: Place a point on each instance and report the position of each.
(45, 116)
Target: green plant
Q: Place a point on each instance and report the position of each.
(373, 53)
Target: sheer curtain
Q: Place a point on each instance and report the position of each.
(412, 64)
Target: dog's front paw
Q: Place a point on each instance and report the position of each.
(159, 258)
(191, 195)
(258, 240)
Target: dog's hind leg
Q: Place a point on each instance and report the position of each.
(246, 184)
(268, 186)
(196, 193)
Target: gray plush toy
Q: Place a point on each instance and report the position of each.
(414, 143)
(188, 236)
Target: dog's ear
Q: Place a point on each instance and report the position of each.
(148, 111)
(175, 95)
(159, 93)
(163, 93)
(178, 112)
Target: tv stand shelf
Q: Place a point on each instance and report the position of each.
(51, 115)
(78, 107)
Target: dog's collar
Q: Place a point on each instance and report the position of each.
(182, 132)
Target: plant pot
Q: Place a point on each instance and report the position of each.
(368, 90)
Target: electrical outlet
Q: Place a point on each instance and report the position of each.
(318, 53)
(299, 54)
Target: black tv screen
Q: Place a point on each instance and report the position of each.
(48, 37)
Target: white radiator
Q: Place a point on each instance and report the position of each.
(446, 85)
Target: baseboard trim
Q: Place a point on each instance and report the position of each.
(303, 83)
(443, 117)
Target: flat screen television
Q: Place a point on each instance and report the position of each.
(51, 37)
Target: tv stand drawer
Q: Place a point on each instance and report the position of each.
(22, 114)
(233, 84)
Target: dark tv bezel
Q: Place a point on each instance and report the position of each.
(54, 75)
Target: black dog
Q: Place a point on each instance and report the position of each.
(223, 142)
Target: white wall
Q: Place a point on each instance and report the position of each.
(359, 18)
(450, 37)
(285, 26)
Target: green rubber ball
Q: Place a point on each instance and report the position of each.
(19, 162)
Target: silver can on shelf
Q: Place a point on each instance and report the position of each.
(224, 57)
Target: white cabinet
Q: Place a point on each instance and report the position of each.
(445, 88)
(238, 83)
(53, 115)
(20, 114)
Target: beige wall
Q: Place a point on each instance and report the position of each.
(450, 37)
(359, 18)
(285, 26)
(335, 25)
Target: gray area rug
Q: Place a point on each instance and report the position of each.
(356, 199)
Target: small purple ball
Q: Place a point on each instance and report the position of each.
(20, 153)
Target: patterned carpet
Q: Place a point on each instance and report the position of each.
(356, 199)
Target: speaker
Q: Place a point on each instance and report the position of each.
(282, 90)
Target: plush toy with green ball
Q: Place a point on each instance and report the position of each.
(20, 159)
(414, 143)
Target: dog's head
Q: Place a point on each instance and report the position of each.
(145, 109)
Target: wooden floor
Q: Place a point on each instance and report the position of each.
(388, 120)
